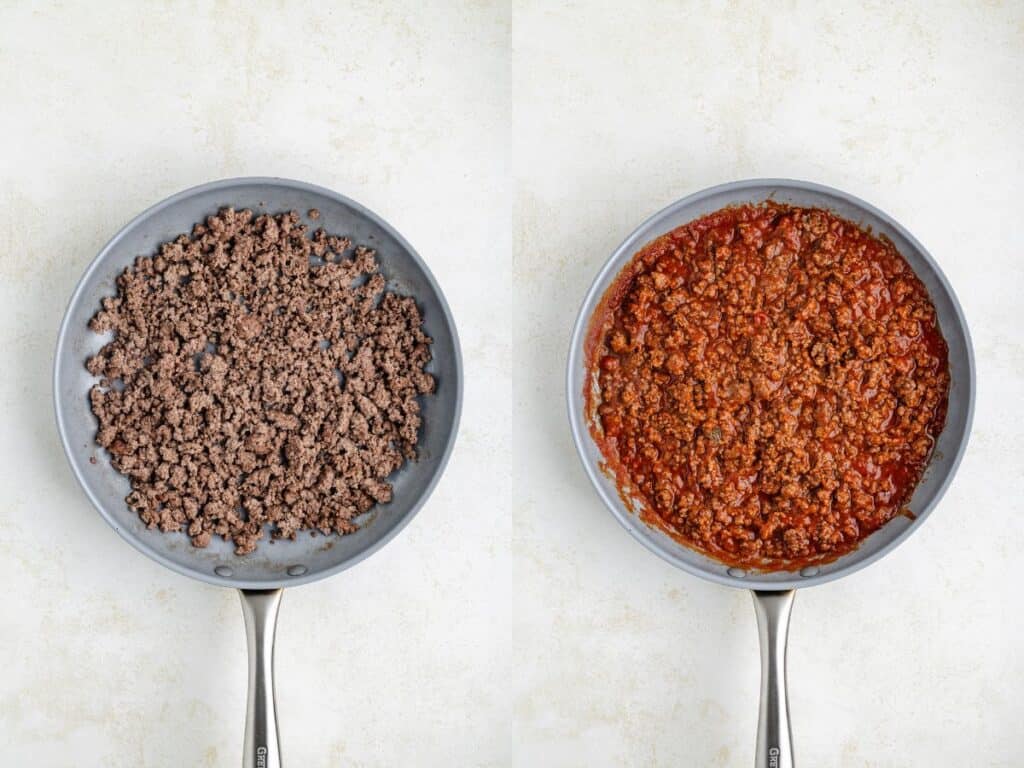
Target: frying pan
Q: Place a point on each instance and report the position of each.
(260, 576)
(773, 591)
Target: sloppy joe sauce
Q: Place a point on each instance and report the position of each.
(767, 383)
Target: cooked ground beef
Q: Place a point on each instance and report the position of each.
(767, 382)
(259, 378)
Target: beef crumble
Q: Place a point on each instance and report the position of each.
(767, 382)
(259, 378)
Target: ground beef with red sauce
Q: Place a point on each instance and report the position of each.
(768, 383)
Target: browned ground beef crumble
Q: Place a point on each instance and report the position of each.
(767, 382)
(258, 378)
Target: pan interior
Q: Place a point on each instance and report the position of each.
(948, 449)
(282, 562)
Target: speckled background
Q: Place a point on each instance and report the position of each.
(513, 623)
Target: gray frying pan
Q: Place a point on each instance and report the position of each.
(262, 575)
(773, 592)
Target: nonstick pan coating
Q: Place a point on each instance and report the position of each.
(282, 563)
(948, 450)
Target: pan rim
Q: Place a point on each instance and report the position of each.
(577, 420)
(137, 542)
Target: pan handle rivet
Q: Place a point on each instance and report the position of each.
(296, 570)
(810, 570)
(223, 571)
(737, 573)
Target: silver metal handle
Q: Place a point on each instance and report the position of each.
(261, 750)
(774, 739)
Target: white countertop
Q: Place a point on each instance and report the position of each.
(513, 623)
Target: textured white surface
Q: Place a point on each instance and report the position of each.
(513, 623)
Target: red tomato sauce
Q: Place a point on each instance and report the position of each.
(766, 384)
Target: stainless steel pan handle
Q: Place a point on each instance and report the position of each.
(774, 739)
(261, 750)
